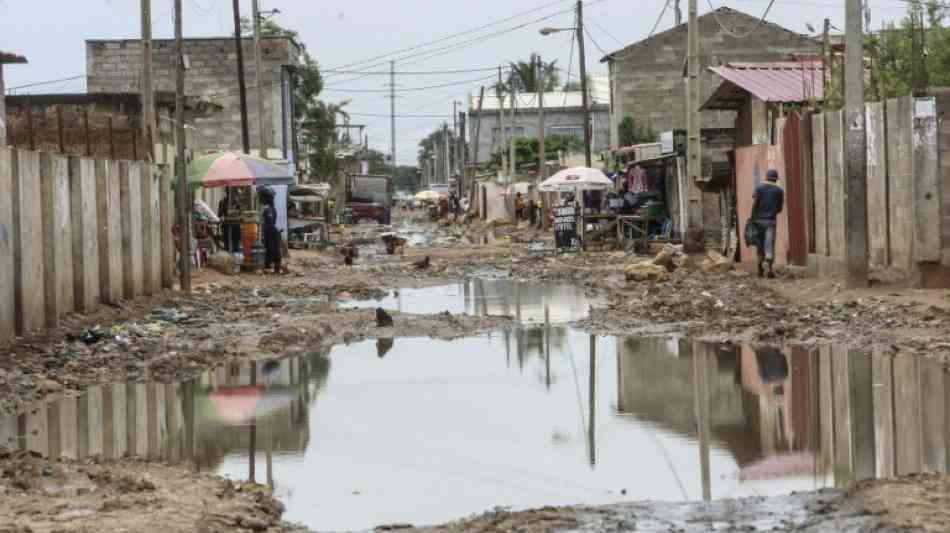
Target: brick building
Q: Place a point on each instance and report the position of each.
(115, 66)
(6, 58)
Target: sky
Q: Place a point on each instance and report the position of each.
(51, 34)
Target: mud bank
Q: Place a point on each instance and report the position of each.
(915, 504)
(46, 496)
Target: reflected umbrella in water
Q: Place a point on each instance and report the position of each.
(241, 404)
(780, 465)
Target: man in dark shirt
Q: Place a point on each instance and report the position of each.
(768, 201)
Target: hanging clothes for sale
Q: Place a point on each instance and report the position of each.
(637, 180)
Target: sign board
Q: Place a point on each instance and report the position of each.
(666, 142)
(565, 228)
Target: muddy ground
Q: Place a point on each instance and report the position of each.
(172, 336)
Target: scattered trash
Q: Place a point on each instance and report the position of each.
(91, 336)
(172, 316)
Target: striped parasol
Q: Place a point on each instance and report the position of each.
(232, 169)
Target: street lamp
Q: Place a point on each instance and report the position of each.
(585, 105)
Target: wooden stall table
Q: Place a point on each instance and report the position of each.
(604, 232)
(639, 228)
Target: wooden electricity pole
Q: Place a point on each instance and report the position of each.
(542, 156)
(184, 194)
(242, 87)
(501, 123)
(259, 68)
(512, 152)
(694, 128)
(148, 94)
(585, 100)
(477, 135)
(855, 193)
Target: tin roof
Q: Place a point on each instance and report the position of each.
(8, 57)
(779, 81)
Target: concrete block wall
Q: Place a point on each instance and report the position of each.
(905, 180)
(75, 232)
(114, 66)
(647, 77)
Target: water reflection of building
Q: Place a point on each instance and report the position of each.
(178, 421)
(525, 302)
(846, 414)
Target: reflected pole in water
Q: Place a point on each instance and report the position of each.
(252, 441)
(593, 383)
(701, 397)
(547, 349)
(269, 455)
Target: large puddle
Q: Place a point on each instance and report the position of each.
(423, 431)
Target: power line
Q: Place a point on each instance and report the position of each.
(411, 73)
(591, 37)
(455, 35)
(659, 19)
(411, 89)
(746, 34)
(48, 82)
(601, 28)
(385, 115)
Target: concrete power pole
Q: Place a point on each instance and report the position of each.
(512, 152)
(585, 101)
(455, 140)
(392, 114)
(242, 87)
(855, 194)
(447, 153)
(694, 127)
(501, 123)
(463, 153)
(542, 156)
(148, 93)
(825, 59)
(184, 194)
(259, 68)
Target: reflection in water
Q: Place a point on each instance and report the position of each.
(437, 430)
(525, 302)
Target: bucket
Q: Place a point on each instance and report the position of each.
(250, 234)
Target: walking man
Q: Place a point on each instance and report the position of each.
(768, 201)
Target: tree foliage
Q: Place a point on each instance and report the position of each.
(433, 144)
(523, 75)
(631, 132)
(526, 149)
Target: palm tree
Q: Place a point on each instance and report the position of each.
(523, 75)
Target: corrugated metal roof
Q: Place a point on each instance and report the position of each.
(782, 81)
(8, 57)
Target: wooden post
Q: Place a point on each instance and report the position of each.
(59, 129)
(856, 215)
(148, 94)
(85, 127)
(258, 66)
(111, 140)
(242, 86)
(184, 195)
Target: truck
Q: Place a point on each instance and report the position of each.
(369, 197)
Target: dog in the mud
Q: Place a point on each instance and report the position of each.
(422, 264)
(383, 319)
(349, 253)
(394, 244)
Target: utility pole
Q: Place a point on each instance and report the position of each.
(825, 59)
(259, 67)
(242, 87)
(694, 127)
(501, 123)
(392, 114)
(455, 141)
(512, 151)
(585, 104)
(148, 93)
(855, 194)
(678, 12)
(463, 152)
(447, 157)
(184, 194)
(478, 130)
(542, 157)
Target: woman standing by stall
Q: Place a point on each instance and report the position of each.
(270, 233)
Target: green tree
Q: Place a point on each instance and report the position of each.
(432, 145)
(526, 149)
(630, 132)
(523, 75)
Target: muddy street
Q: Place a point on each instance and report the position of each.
(526, 391)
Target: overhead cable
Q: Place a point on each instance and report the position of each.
(742, 35)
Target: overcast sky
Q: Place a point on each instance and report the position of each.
(337, 32)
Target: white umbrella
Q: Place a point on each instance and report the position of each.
(577, 179)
